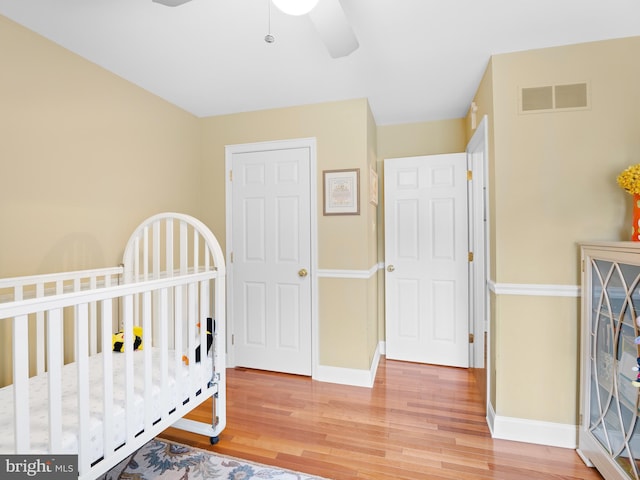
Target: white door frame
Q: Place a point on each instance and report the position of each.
(478, 161)
(230, 150)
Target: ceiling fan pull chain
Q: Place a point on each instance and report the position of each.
(268, 37)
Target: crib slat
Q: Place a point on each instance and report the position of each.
(196, 252)
(145, 253)
(93, 320)
(204, 313)
(40, 333)
(183, 248)
(169, 247)
(144, 270)
(82, 359)
(76, 288)
(129, 370)
(21, 384)
(148, 373)
(156, 249)
(107, 378)
(205, 299)
(192, 319)
(170, 265)
(164, 349)
(55, 354)
(136, 259)
(177, 338)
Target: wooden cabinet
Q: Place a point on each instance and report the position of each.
(609, 431)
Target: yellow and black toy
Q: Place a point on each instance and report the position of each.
(210, 327)
(117, 340)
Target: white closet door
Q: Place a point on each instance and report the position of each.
(271, 250)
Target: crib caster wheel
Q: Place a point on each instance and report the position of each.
(214, 440)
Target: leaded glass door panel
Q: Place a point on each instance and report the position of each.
(613, 396)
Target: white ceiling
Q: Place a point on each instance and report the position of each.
(418, 60)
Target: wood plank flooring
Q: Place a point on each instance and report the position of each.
(417, 422)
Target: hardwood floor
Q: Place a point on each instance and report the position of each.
(417, 422)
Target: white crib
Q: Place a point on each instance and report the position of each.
(71, 393)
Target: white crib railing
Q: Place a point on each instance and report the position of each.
(38, 286)
(168, 309)
(171, 278)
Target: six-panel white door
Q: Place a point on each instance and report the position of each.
(271, 260)
(426, 259)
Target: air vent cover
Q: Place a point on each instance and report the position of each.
(537, 98)
(571, 96)
(552, 98)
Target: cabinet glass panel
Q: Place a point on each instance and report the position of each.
(613, 412)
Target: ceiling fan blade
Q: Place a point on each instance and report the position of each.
(171, 3)
(333, 27)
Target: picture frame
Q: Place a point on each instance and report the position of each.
(341, 192)
(373, 186)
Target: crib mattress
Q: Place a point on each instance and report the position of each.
(38, 396)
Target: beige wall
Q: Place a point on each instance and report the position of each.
(559, 169)
(348, 313)
(344, 323)
(553, 185)
(422, 138)
(85, 156)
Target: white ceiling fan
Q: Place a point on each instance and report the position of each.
(327, 16)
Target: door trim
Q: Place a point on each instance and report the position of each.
(478, 154)
(230, 150)
(477, 162)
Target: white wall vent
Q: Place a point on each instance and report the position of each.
(553, 98)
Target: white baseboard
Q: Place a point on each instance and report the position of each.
(491, 417)
(532, 431)
(349, 376)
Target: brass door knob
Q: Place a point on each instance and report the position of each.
(390, 268)
(302, 272)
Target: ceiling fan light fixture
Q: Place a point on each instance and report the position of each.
(171, 3)
(295, 7)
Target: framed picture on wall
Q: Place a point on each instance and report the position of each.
(341, 192)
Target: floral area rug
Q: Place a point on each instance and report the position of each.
(162, 460)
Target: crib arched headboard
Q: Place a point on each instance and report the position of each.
(171, 243)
